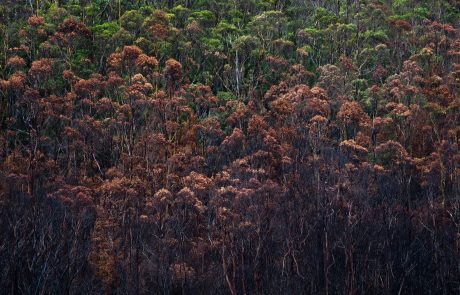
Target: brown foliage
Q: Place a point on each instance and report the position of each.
(36, 21)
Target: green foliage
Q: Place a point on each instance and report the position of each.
(105, 30)
(81, 63)
(224, 28)
(235, 16)
(181, 15)
(377, 36)
(246, 43)
(132, 21)
(323, 17)
(212, 44)
(451, 13)
(56, 15)
(421, 12)
(123, 37)
(225, 96)
(314, 32)
(205, 17)
(399, 4)
(207, 134)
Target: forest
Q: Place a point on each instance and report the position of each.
(229, 147)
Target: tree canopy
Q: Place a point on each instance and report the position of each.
(229, 147)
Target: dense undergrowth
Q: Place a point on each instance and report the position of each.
(229, 147)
